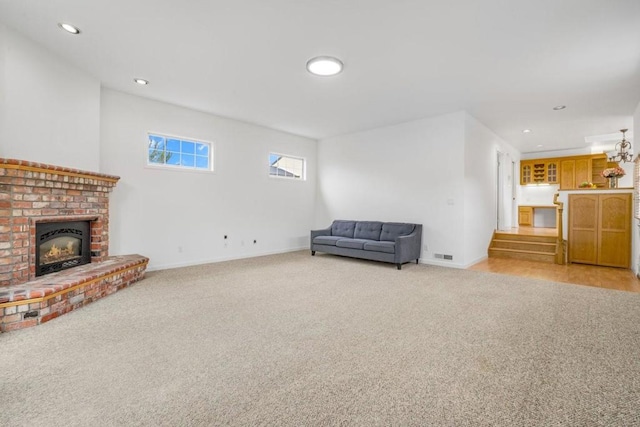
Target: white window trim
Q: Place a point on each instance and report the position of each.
(163, 166)
(288, 178)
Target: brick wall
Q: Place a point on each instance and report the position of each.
(34, 192)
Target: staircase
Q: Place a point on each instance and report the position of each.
(522, 246)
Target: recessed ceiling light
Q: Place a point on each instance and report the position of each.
(526, 130)
(142, 82)
(324, 66)
(69, 28)
(559, 107)
(540, 145)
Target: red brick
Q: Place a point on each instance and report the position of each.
(11, 318)
(32, 197)
(20, 325)
(22, 205)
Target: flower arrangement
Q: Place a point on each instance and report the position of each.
(616, 172)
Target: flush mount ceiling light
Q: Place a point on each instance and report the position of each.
(526, 130)
(559, 107)
(324, 66)
(141, 82)
(69, 28)
(623, 154)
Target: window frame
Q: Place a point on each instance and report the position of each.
(303, 175)
(182, 168)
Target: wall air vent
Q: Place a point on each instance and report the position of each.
(443, 256)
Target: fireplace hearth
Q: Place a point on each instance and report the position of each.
(62, 245)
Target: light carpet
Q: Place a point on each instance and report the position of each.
(295, 340)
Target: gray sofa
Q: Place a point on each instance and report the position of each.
(393, 242)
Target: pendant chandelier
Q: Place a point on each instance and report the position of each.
(622, 148)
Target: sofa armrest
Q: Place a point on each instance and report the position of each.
(408, 247)
(316, 233)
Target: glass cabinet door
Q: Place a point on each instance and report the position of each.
(525, 176)
(552, 173)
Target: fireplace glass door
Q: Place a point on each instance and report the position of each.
(61, 245)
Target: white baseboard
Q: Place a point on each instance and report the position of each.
(444, 263)
(441, 263)
(222, 259)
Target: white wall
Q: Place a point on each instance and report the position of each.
(49, 110)
(536, 194)
(411, 172)
(178, 217)
(481, 189)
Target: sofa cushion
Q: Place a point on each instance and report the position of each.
(391, 230)
(326, 240)
(351, 243)
(369, 230)
(388, 247)
(343, 228)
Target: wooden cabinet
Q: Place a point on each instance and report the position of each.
(600, 229)
(552, 172)
(574, 171)
(583, 171)
(525, 215)
(598, 165)
(540, 171)
(567, 174)
(526, 173)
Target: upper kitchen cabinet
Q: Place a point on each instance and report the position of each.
(539, 171)
(578, 169)
(569, 172)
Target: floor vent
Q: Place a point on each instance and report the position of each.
(443, 256)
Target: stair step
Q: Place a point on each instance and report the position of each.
(520, 254)
(524, 237)
(524, 245)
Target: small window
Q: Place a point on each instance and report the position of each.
(286, 166)
(176, 152)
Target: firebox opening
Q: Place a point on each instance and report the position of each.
(62, 245)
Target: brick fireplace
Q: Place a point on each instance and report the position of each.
(32, 194)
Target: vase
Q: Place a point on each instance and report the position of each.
(613, 182)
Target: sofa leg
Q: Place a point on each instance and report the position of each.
(313, 253)
(399, 266)
(417, 261)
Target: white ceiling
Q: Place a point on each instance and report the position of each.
(507, 62)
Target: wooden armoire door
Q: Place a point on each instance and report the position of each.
(583, 228)
(600, 229)
(614, 249)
